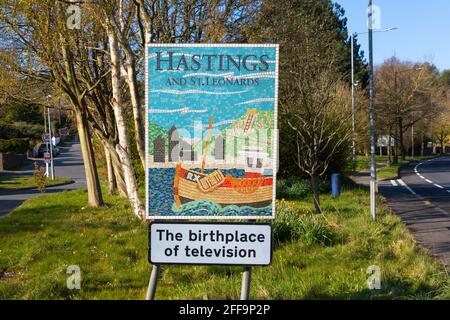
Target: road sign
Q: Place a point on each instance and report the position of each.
(46, 137)
(47, 156)
(383, 141)
(212, 130)
(210, 244)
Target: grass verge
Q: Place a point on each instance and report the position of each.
(19, 182)
(315, 257)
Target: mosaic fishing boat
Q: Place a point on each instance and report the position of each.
(252, 190)
(191, 185)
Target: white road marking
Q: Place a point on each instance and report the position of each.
(394, 183)
(427, 180)
(406, 186)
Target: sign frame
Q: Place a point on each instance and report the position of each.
(275, 136)
(211, 223)
(48, 158)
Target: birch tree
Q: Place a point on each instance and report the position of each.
(122, 147)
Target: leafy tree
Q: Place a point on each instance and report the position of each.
(407, 93)
(314, 112)
(39, 177)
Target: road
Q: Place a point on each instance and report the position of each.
(422, 199)
(68, 164)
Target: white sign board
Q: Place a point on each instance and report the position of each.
(45, 137)
(207, 243)
(211, 131)
(382, 141)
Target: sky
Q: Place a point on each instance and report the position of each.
(423, 29)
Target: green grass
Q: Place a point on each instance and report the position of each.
(14, 182)
(41, 238)
(384, 170)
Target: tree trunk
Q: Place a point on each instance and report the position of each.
(118, 173)
(116, 166)
(139, 133)
(389, 147)
(402, 145)
(315, 189)
(112, 185)
(122, 147)
(95, 198)
(395, 159)
(421, 145)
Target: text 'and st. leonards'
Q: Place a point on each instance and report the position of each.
(203, 243)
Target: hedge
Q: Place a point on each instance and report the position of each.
(14, 146)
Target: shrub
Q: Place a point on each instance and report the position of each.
(20, 129)
(286, 225)
(14, 146)
(295, 188)
(315, 230)
(290, 225)
(325, 185)
(39, 177)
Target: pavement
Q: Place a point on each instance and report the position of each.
(421, 197)
(68, 164)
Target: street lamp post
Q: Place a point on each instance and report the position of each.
(373, 172)
(353, 105)
(354, 84)
(373, 165)
(52, 170)
(412, 139)
(47, 174)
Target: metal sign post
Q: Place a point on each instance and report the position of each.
(206, 243)
(47, 160)
(246, 278)
(51, 146)
(151, 291)
(245, 287)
